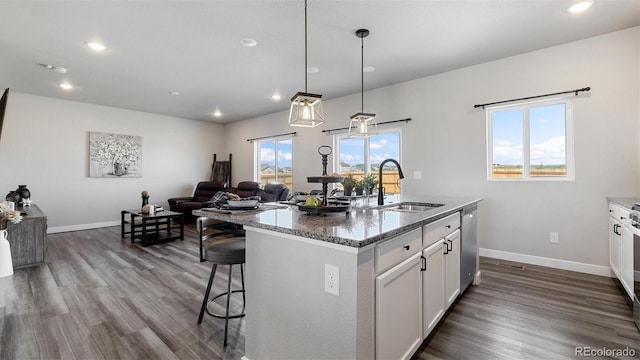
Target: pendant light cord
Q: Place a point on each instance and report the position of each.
(305, 46)
(362, 74)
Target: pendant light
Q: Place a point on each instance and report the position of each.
(306, 109)
(362, 124)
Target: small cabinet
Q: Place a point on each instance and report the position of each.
(451, 248)
(432, 286)
(398, 296)
(621, 247)
(441, 275)
(614, 245)
(398, 310)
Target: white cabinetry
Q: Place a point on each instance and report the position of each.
(398, 296)
(621, 246)
(441, 278)
(432, 286)
(452, 267)
(614, 240)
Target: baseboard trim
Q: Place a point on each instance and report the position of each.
(59, 229)
(548, 262)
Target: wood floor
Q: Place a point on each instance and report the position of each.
(98, 297)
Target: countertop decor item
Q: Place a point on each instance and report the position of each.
(13, 196)
(23, 191)
(145, 198)
(362, 124)
(306, 109)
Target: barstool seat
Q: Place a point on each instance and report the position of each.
(224, 252)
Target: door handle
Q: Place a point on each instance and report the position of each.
(615, 229)
(423, 266)
(449, 243)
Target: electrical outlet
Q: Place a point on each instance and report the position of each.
(417, 175)
(332, 279)
(553, 238)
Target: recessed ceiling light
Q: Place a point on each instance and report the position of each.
(95, 45)
(312, 70)
(248, 42)
(276, 97)
(368, 69)
(175, 93)
(66, 86)
(580, 6)
(217, 113)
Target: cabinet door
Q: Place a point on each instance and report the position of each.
(451, 248)
(626, 260)
(614, 245)
(398, 310)
(432, 287)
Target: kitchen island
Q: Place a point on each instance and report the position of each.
(315, 283)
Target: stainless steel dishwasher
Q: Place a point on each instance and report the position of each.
(469, 246)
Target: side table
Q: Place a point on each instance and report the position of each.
(153, 228)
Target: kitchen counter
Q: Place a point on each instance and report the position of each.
(362, 226)
(313, 282)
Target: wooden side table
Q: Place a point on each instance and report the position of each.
(28, 239)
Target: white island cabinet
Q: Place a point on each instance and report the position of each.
(346, 286)
(621, 247)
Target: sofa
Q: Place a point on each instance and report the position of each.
(270, 193)
(205, 190)
(201, 198)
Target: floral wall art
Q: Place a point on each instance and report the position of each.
(115, 155)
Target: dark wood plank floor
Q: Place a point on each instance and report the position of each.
(98, 297)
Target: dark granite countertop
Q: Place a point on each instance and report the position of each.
(362, 226)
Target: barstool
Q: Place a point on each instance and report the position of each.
(224, 252)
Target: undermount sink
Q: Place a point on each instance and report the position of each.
(411, 207)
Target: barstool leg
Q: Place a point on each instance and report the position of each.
(226, 317)
(242, 279)
(206, 294)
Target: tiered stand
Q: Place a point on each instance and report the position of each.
(325, 180)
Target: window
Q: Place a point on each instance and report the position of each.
(532, 141)
(274, 161)
(362, 156)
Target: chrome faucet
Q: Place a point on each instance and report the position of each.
(380, 188)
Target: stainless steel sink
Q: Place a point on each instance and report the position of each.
(411, 207)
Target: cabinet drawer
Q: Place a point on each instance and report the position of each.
(439, 229)
(613, 210)
(393, 251)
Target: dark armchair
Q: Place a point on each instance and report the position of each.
(201, 198)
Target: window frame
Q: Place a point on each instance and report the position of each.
(256, 156)
(367, 154)
(526, 151)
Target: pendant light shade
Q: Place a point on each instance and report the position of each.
(362, 124)
(306, 109)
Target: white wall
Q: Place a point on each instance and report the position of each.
(45, 145)
(446, 141)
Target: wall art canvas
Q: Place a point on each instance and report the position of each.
(115, 155)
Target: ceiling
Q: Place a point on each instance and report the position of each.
(193, 47)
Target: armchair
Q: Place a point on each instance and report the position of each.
(201, 198)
